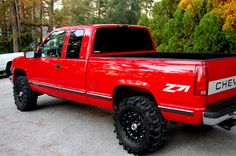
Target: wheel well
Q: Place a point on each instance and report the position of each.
(19, 72)
(123, 92)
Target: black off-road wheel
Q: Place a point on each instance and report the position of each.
(25, 98)
(139, 125)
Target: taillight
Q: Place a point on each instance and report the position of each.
(201, 80)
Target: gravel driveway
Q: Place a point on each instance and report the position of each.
(62, 128)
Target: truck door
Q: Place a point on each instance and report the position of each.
(45, 69)
(73, 69)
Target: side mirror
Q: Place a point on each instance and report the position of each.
(29, 54)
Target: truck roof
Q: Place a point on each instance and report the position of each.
(99, 26)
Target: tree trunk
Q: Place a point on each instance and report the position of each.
(15, 27)
(18, 21)
(4, 22)
(50, 13)
(22, 9)
(41, 20)
(33, 28)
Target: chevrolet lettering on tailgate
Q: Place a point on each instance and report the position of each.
(221, 85)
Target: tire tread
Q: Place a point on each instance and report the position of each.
(156, 124)
(29, 96)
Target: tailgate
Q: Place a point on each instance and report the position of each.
(222, 79)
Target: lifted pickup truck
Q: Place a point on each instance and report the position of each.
(116, 67)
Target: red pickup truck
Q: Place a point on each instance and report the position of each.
(116, 67)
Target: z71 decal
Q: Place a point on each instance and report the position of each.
(172, 88)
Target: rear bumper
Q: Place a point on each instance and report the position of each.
(220, 112)
(217, 121)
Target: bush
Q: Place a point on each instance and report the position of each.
(189, 26)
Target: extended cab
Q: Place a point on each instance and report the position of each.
(116, 67)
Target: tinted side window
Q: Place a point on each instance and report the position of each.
(74, 45)
(52, 47)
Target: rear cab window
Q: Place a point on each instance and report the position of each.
(122, 39)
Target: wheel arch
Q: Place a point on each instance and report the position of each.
(122, 92)
(19, 72)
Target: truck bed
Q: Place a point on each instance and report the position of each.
(173, 55)
(221, 74)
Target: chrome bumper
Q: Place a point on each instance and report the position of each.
(221, 113)
(215, 121)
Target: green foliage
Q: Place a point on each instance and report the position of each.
(125, 11)
(176, 25)
(189, 26)
(162, 13)
(73, 12)
(144, 20)
(229, 42)
(208, 34)
(5, 46)
(28, 22)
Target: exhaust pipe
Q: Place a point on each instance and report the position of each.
(228, 124)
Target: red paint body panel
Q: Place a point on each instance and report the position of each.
(95, 75)
(219, 69)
